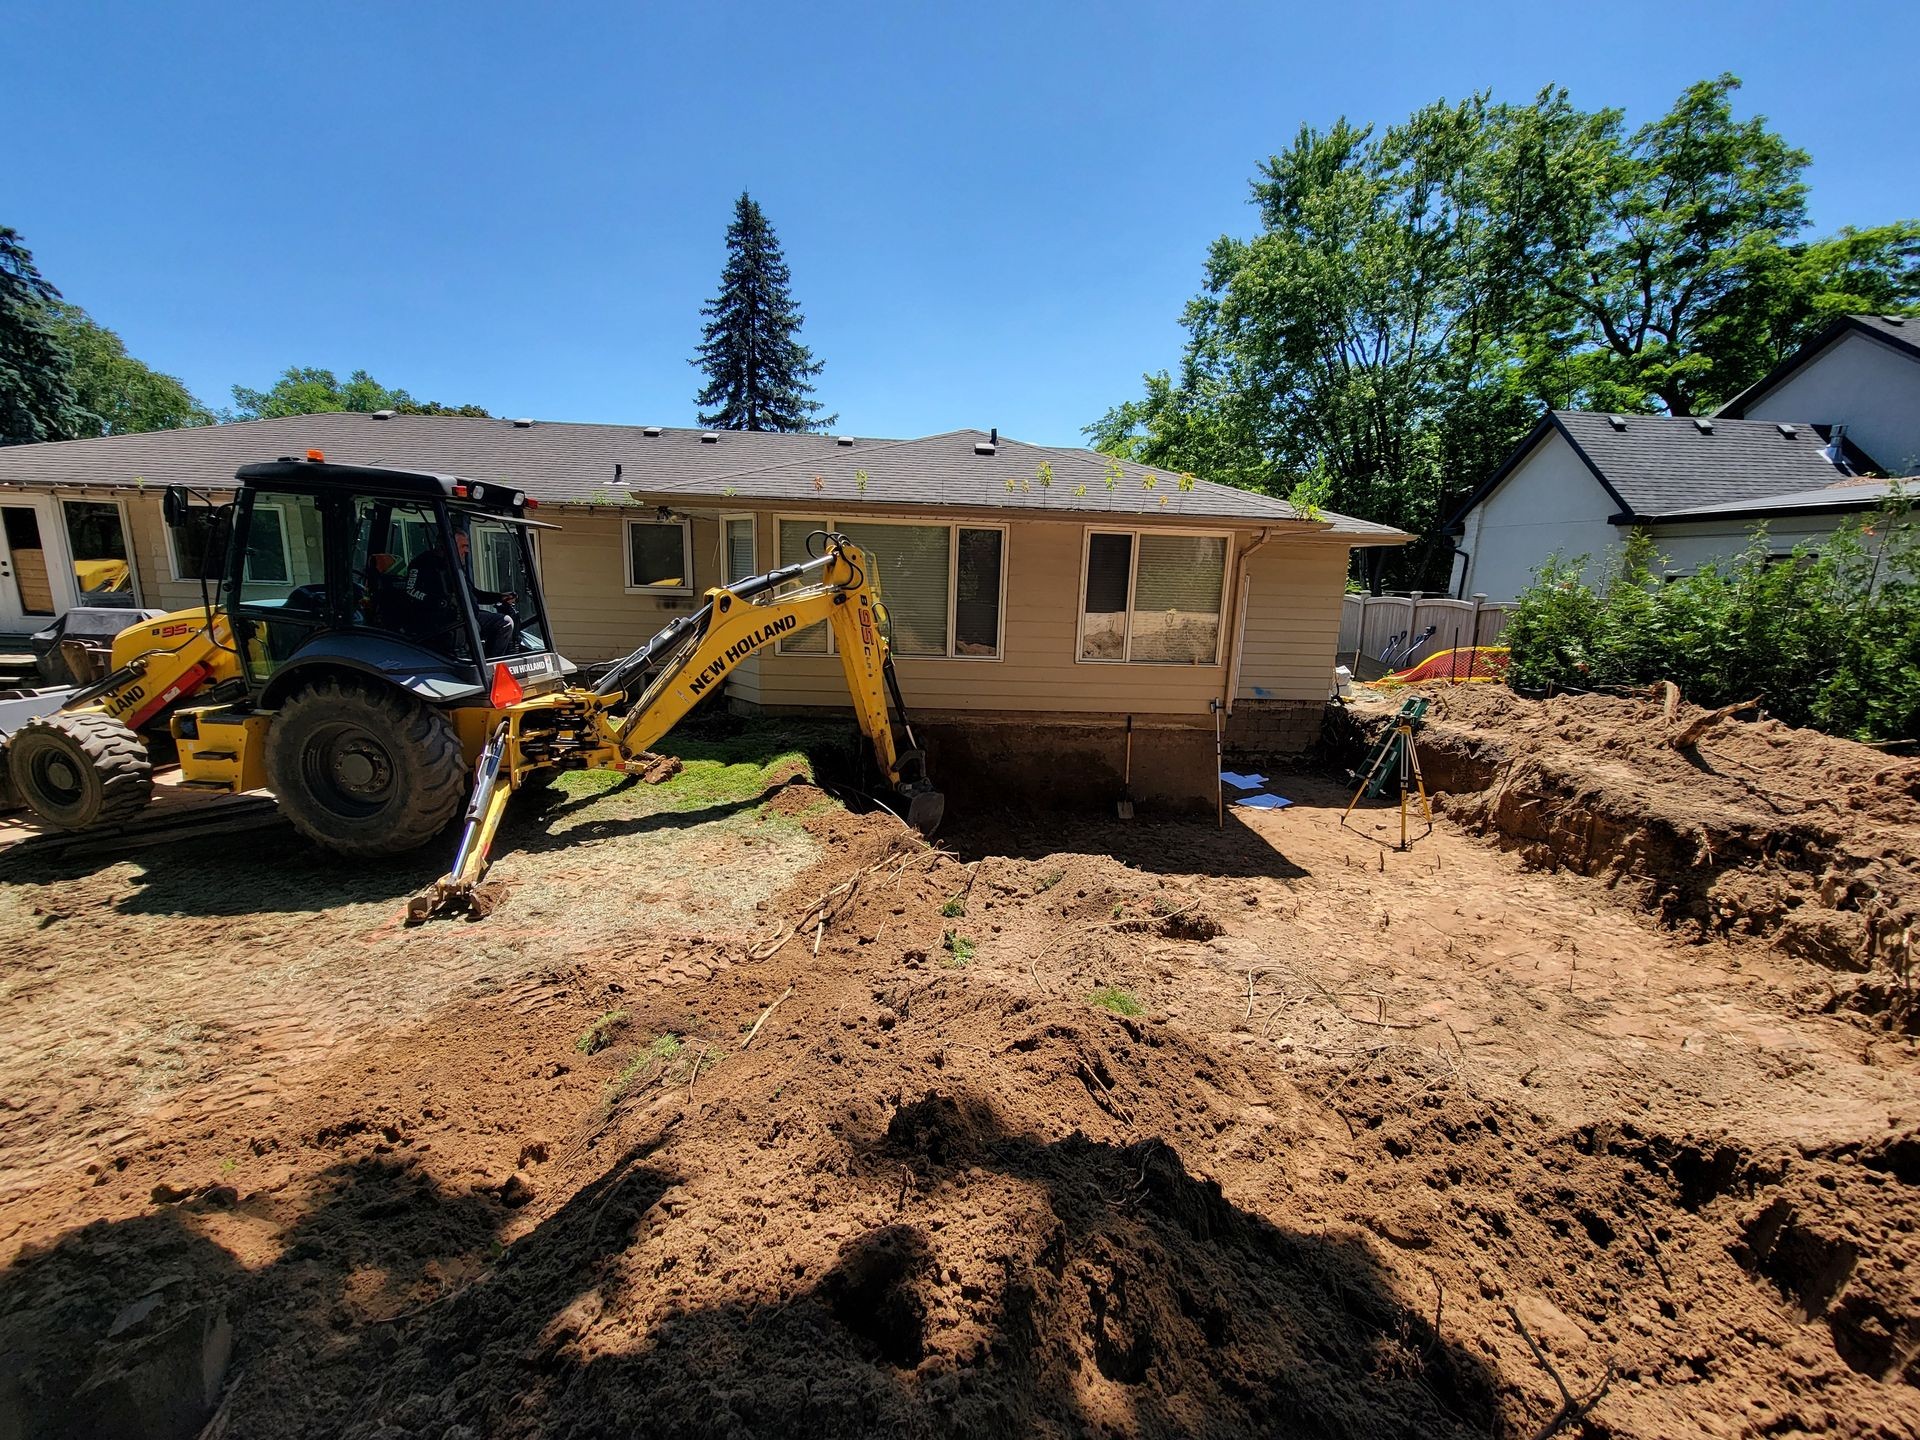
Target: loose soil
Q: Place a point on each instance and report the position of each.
(1064, 1127)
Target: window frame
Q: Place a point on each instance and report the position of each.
(134, 585)
(727, 517)
(1134, 533)
(686, 556)
(953, 528)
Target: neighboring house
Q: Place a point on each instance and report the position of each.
(1580, 481)
(1039, 596)
(1861, 372)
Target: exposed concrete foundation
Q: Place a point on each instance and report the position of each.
(1274, 727)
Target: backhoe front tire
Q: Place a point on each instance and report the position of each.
(79, 769)
(364, 769)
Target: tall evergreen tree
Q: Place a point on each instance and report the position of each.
(37, 400)
(758, 372)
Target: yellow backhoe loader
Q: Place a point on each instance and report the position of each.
(379, 637)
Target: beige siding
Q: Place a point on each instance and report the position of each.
(1293, 620)
(147, 539)
(583, 574)
(1038, 671)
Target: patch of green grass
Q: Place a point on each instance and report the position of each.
(1120, 1002)
(600, 1034)
(229, 1165)
(1049, 880)
(1119, 909)
(662, 1052)
(954, 908)
(958, 947)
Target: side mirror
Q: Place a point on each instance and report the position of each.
(173, 505)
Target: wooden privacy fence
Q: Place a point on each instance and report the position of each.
(1369, 622)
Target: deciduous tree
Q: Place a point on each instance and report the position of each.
(122, 395)
(304, 390)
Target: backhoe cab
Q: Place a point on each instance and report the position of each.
(378, 636)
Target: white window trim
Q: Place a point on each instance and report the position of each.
(727, 517)
(173, 555)
(953, 596)
(126, 535)
(954, 527)
(626, 557)
(1133, 574)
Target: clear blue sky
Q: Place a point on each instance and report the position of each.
(993, 212)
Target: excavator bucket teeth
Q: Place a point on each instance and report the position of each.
(926, 810)
(449, 899)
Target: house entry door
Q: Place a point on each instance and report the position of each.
(26, 569)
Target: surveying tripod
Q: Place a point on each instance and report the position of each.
(1396, 755)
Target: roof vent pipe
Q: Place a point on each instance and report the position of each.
(1836, 451)
(993, 436)
(617, 479)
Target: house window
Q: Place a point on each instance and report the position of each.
(659, 557)
(1153, 597)
(942, 585)
(979, 587)
(736, 539)
(102, 570)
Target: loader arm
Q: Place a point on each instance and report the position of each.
(642, 697)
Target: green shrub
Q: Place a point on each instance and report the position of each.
(1827, 637)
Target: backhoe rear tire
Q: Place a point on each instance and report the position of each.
(364, 769)
(79, 769)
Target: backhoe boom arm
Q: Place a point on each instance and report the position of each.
(612, 726)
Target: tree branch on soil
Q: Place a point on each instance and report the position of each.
(1571, 1409)
(763, 1018)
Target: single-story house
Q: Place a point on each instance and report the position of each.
(1040, 596)
(1581, 480)
(1862, 372)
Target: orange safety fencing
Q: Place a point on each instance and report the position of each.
(1466, 666)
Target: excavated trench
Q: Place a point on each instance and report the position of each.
(1758, 831)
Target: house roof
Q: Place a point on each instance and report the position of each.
(1901, 332)
(1656, 465)
(965, 469)
(1846, 495)
(570, 464)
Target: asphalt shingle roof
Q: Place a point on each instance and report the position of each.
(1656, 465)
(963, 469)
(1848, 495)
(561, 463)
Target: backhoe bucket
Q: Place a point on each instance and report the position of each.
(925, 810)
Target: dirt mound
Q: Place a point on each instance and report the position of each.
(1148, 1130)
(1756, 830)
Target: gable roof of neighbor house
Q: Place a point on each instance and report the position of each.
(573, 464)
(1655, 465)
(1901, 332)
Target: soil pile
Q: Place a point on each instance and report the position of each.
(1755, 829)
(1058, 1131)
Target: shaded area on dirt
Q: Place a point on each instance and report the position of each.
(1122, 1262)
(1160, 847)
